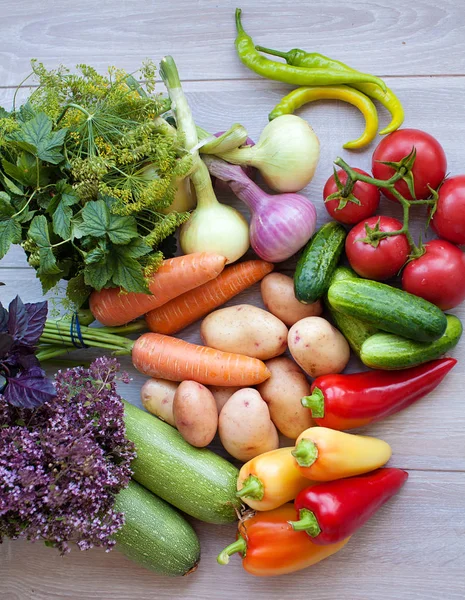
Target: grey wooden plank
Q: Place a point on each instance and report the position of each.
(379, 36)
(411, 550)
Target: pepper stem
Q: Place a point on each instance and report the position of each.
(307, 522)
(240, 545)
(239, 27)
(272, 52)
(305, 453)
(315, 402)
(252, 488)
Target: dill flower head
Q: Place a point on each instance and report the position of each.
(62, 464)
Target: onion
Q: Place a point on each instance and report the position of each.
(280, 225)
(222, 186)
(184, 198)
(286, 154)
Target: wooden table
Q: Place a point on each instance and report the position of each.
(415, 548)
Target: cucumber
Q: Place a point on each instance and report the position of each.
(354, 330)
(318, 261)
(195, 480)
(388, 308)
(388, 351)
(154, 534)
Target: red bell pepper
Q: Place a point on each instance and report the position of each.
(330, 512)
(348, 401)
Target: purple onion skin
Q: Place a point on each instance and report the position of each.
(251, 172)
(281, 224)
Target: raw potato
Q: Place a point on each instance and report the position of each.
(245, 427)
(318, 347)
(222, 394)
(245, 329)
(278, 296)
(283, 392)
(195, 413)
(157, 397)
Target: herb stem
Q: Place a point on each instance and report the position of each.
(26, 205)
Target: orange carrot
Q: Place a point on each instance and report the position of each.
(174, 359)
(191, 306)
(175, 276)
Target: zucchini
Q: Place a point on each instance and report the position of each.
(195, 480)
(318, 261)
(354, 330)
(388, 308)
(154, 534)
(388, 351)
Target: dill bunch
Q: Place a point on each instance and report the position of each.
(89, 166)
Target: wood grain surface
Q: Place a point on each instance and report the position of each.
(414, 549)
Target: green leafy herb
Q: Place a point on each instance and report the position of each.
(86, 166)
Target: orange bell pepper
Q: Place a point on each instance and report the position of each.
(270, 480)
(325, 454)
(269, 546)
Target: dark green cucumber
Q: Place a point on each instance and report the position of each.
(195, 480)
(354, 330)
(318, 261)
(388, 351)
(154, 534)
(388, 309)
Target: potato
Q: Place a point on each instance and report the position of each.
(245, 329)
(283, 392)
(318, 347)
(195, 413)
(222, 394)
(245, 427)
(278, 296)
(157, 397)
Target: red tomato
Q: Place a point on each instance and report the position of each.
(352, 213)
(429, 167)
(438, 275)
(449, 219)
(380, 262)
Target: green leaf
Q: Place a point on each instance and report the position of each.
(122, 229)
(14, 189)
(135, 249)
(38, 231)
(98, 275)
(16, 173)
(49, 281)
(77, 291)
(37, 132)
(25, 113)
(28, 166)
(97, 255)
(10, 233)
(3, 113)
(95, 219)
(25, 216)
(6, 209)
(61, 220)
(129, 275)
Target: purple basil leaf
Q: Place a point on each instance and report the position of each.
(37, 314)
(3, 319)
(29, 389)
(6, 342)
(26, 361)
(18, 319)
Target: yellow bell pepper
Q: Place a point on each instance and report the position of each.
(325, 454)
(270, 480)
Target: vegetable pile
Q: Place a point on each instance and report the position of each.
(97, 173)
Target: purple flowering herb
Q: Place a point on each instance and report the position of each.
(62, 464)
(24, 383)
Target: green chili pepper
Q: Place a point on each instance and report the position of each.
(303, 95)
(295, 75)
(314, 60)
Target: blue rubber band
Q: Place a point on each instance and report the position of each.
(75, 332)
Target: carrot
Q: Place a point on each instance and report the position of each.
(175, 276)
(174, 359)
(191, 306)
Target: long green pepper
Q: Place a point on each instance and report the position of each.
(314, 60)
(294, 75)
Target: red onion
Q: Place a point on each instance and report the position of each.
(250, 171)
(281, 223)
